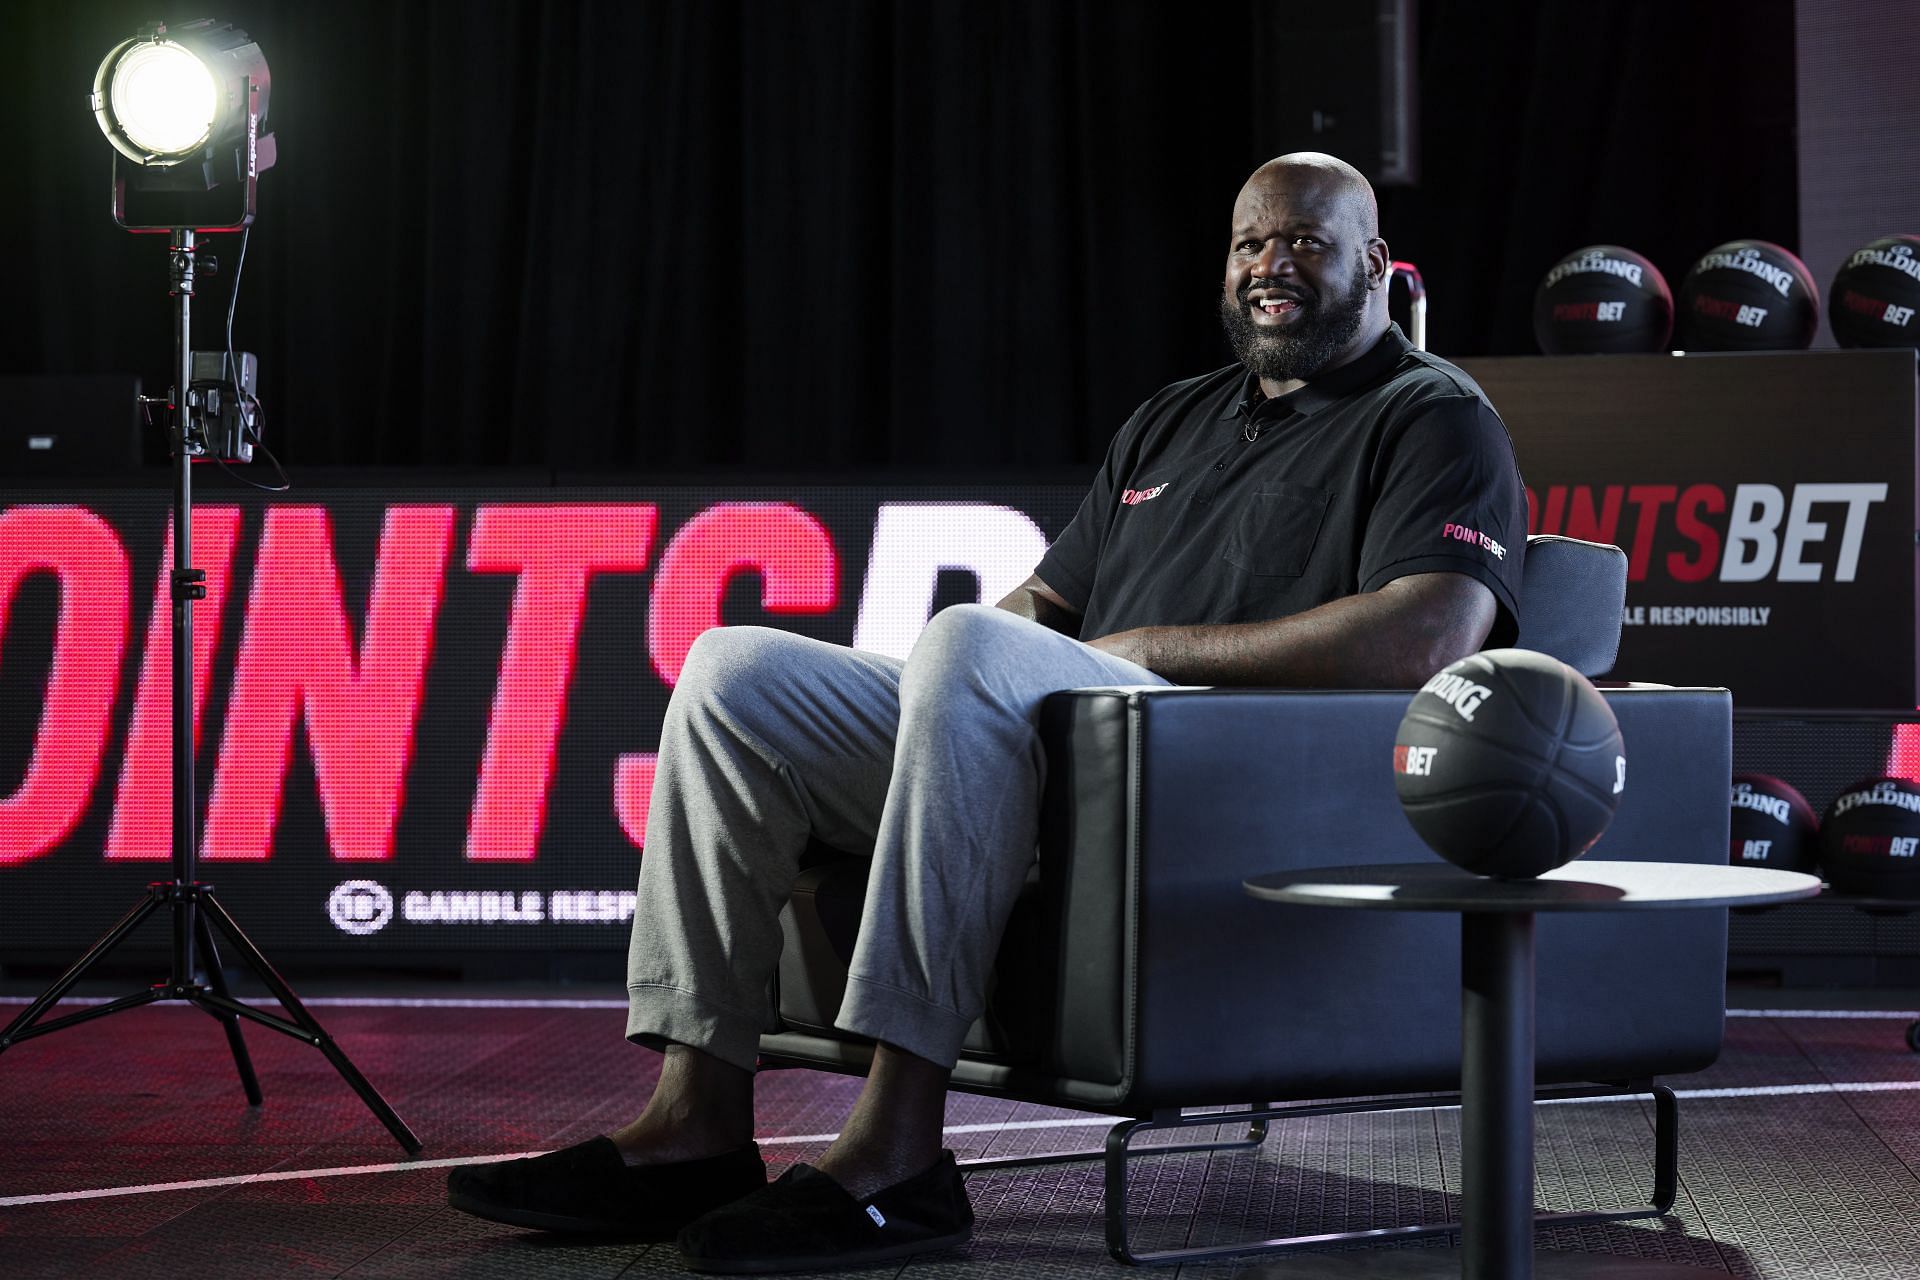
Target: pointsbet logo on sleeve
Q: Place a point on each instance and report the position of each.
(1461, 533)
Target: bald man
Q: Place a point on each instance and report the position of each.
(1335, 509)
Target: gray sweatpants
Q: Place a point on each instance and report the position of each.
(932, 767)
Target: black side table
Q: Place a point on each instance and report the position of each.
(1496, 1040)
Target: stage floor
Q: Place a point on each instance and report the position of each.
(127, 1149)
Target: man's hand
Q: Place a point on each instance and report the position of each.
(1393, 638)
(1037, 602)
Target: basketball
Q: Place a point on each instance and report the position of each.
(1509, 763)
(1770, 824)
(1602, 299)
(1748, 295)
(1875, 298)
(1870, 839)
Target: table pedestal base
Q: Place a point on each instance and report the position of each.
(1497, 1047)
(1446, 1264)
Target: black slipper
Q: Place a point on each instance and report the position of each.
(589, 1188)
(806, 1222)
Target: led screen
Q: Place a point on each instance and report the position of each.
(424, 720)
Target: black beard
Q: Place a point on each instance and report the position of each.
(1318, 336)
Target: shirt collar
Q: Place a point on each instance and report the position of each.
(1363, 370)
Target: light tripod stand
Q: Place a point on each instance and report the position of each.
(194, 910)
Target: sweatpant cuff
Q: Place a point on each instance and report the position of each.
(880, 1012)
(658, 1016)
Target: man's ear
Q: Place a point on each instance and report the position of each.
(1379, 263)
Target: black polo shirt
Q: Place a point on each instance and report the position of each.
(1216, 505)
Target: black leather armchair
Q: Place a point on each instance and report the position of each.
(1137, 979)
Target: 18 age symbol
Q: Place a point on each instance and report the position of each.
(360, 907)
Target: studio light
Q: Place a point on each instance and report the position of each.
(184, 109)
(155, 101)
(183, 113)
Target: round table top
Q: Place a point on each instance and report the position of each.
(1581, 885)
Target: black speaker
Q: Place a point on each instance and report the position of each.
(1338, 78)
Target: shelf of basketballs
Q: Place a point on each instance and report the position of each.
(1832, 794)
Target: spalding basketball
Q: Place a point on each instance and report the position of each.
(1509, 763)
(1748, 295)
(1770, 825)
(1870, 839)
(1602, 299)
(1875, 298)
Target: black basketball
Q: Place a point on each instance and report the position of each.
(1508, 763)
(1870, 839)
(1748, 295)
(1602, 299)
(1771, 825)
(1875, 298)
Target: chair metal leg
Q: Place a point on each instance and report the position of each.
(1666, 1149)
(1256, 1135)
(1120, 1152)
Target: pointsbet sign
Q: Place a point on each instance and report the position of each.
(421, 719)
(1765, 503)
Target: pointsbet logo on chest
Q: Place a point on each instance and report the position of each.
(1509, 763)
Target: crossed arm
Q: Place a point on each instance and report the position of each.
(1393, 638)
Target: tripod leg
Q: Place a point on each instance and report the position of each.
(51, 996)
(217, 980)
(259, 963)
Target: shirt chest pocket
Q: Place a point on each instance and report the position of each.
(1274, 536)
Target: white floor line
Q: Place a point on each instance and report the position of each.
(401, 1166)
(536, 1002)
(1895, 1014)
(241, 1179)
(1071, 1122)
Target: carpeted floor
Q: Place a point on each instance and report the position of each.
(129, 1151)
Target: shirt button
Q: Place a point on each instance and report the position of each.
(1219, 466)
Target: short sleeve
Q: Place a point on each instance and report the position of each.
(1072, 561)
(1450, 500)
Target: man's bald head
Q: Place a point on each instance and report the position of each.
(1339, 184)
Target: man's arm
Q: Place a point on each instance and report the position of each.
(1037, 602)
(1393, 638)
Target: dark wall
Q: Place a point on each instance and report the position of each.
(657, 235)
(1858, 104)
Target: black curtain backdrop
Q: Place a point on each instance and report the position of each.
(614, 235)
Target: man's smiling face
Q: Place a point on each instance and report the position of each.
(1300, 273)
